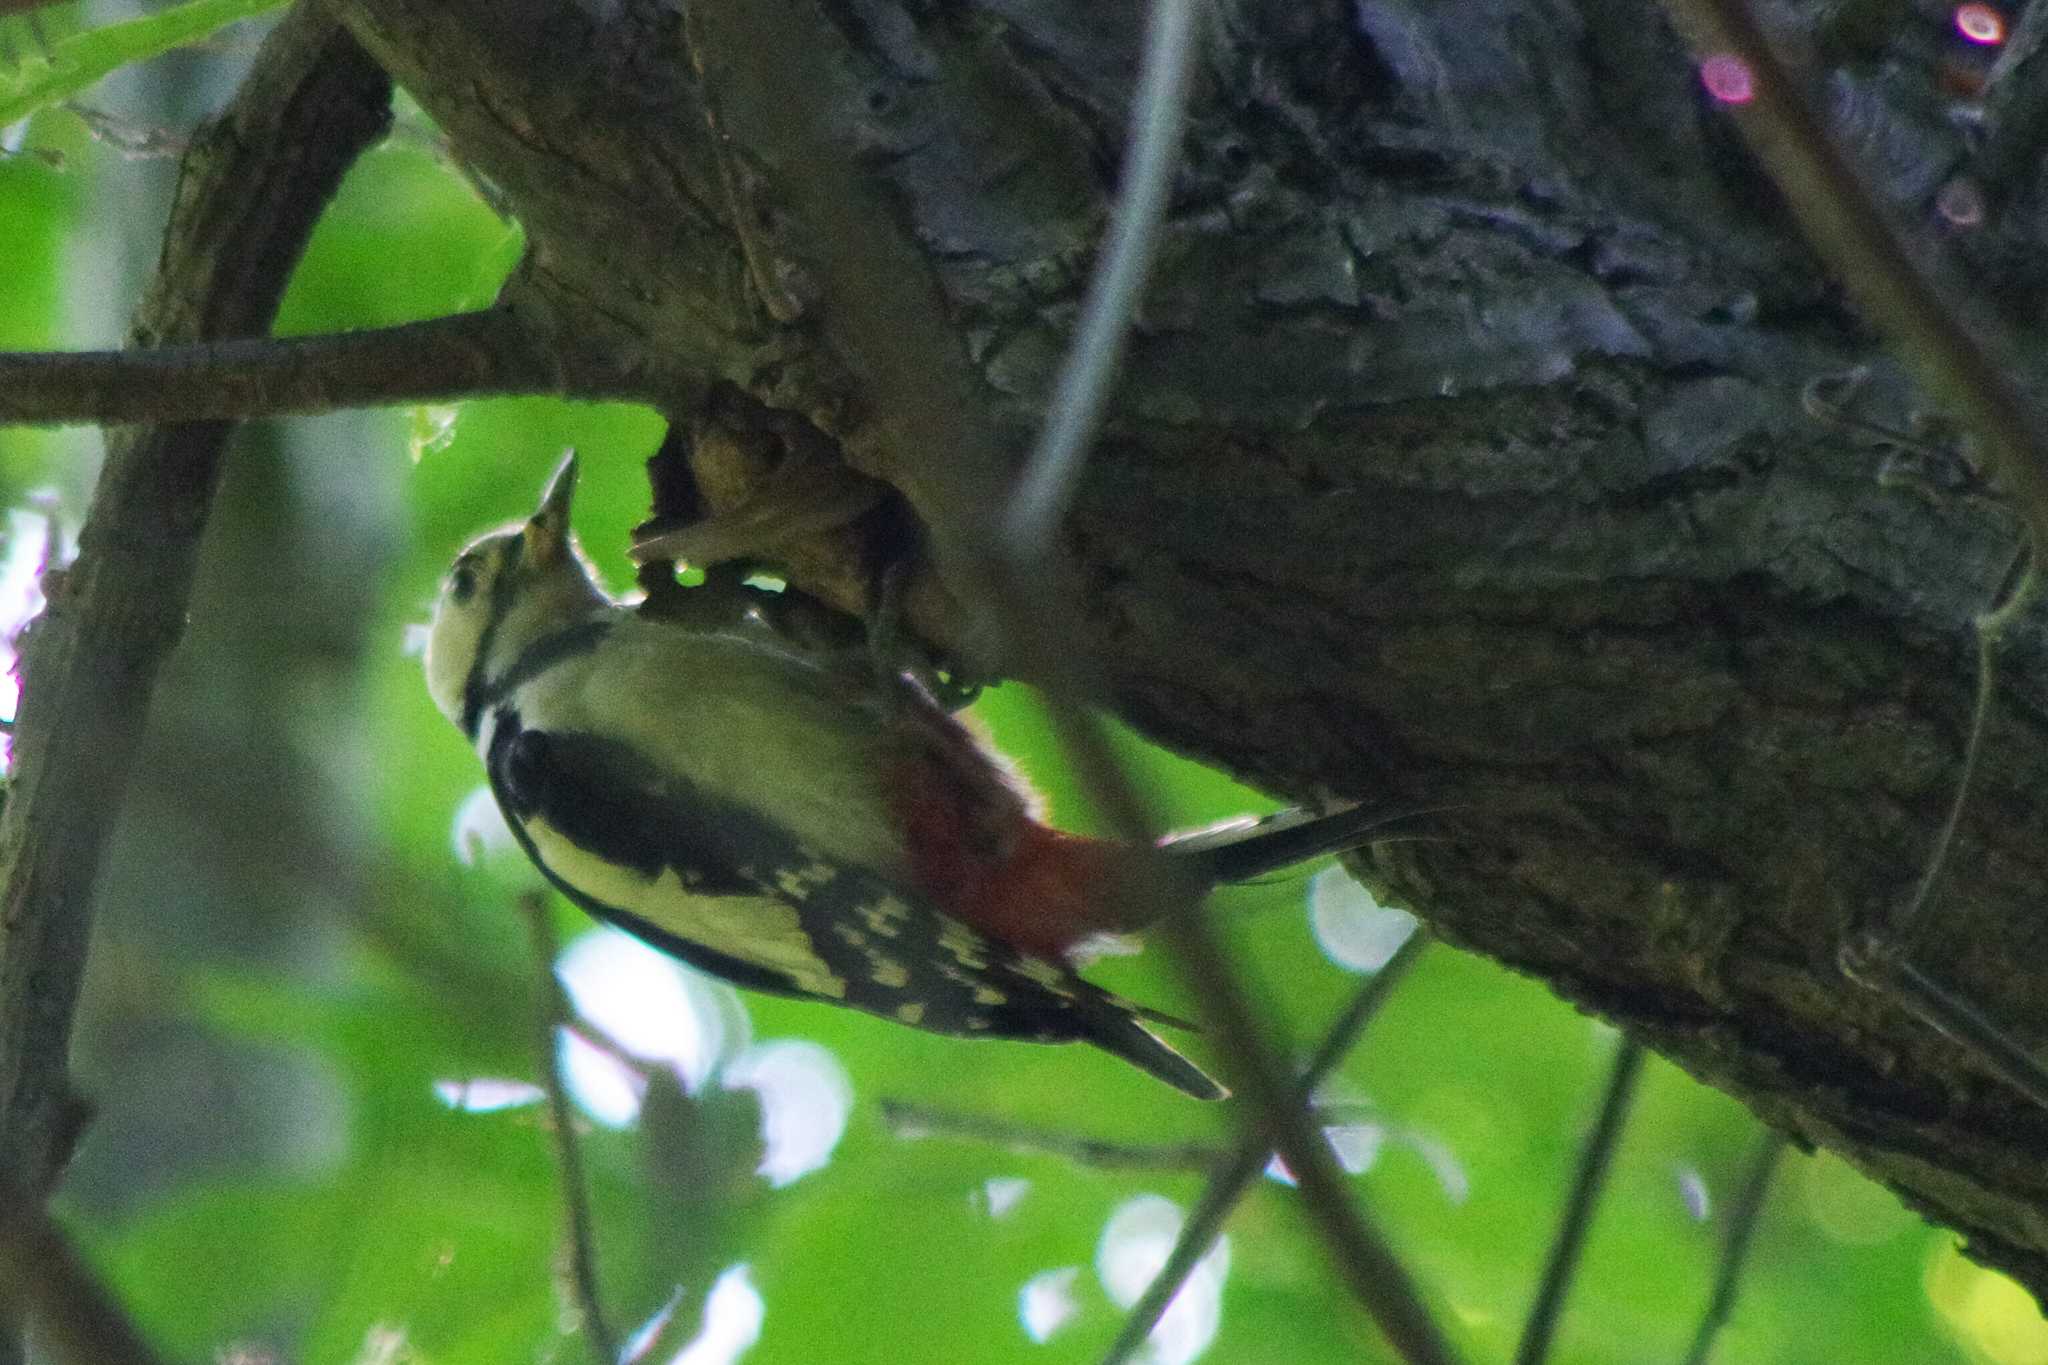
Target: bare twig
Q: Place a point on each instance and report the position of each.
(42, 1278)
(553, 1014)
(908, 1120)
(1229, 1185)
(1596, 1158)
(1045, 489)
(467, 355)
(253, 184)
(1736, 1238)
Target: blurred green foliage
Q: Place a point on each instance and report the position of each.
(49, 71)
(283, 982)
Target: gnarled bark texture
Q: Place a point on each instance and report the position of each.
(1459, 460)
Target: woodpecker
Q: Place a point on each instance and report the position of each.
(794, 822)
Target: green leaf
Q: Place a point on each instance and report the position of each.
(80, 60)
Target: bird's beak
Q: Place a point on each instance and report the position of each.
(547, 534)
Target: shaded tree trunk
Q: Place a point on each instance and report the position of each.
(1459, 460)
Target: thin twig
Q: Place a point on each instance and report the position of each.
(1045, 489)
(44, 1281)
(466, 355)
(1596, 1159)
(1736, 1238)
(552, 1016)
(908, 1120)
(1228, 1185)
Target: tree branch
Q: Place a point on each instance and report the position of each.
(1736, 1237)
(1231, 1182)
(908, 1120)
(467, 355)
(42, 1276)
(582, 1249)
(251, 188)
(1596, 1159)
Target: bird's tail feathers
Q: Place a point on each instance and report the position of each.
(1112, 1024)
(1240, 850)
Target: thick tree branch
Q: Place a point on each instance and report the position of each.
(467, 355)
(252, 186)
(1458, 459)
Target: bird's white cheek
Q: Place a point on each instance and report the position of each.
(451, 647)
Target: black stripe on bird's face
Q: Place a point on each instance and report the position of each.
(486, 568)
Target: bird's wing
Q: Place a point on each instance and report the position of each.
(722, 888)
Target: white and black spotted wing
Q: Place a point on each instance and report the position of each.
(729, 892)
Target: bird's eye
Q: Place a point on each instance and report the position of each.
(462, 582)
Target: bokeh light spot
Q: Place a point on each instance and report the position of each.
(1001, 1193)
(487, 1094)
(1981, 23)
(733, 1312)
(480, 833)
(1987, 1310)
(1960, 202)
(1135, 1244)
(1727, 78)
(1354, 931)
(1046, 1302)
(601, 1083)
(1692, 1189)
(1356, 1145)
(21, 597)
(647, 1003)
(805, 1099)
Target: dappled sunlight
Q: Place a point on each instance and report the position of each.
(21, 597)
(487, 1094)
(1692, 1189)
(1354, 931)
(1135, 1244)
(1046, 1302)
(601, 1082)
(1995, 1318)
(479, 833)
(805, 1099)
(733, 1312)
(1356, 1145)
(650, 1006)
(999, 1194)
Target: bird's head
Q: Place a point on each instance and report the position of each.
(506, 590)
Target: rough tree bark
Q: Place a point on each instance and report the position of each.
(1459, 460)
